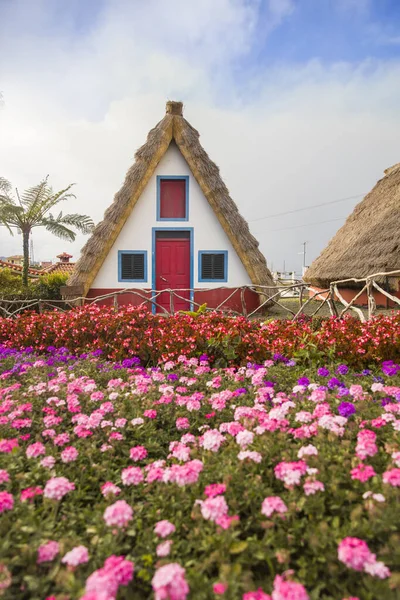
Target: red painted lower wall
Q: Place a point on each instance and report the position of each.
(349, 293)
(213, 298)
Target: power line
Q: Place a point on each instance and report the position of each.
(305, 225)
(289, 212)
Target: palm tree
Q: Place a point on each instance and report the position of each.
(32, 209)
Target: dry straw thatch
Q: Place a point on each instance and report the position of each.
(172, 128)
(369, 241)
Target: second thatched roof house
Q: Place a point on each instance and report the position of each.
(368, 243)
(172, 225)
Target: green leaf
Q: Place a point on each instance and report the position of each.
(238, 547)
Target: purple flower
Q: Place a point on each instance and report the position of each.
(97, 352)
(333, 382)
(342, 370)
(390, 368)
(346, 409)
(323, 372)
(342, 391)
(172, 377)
(366, 372)
(127, 363)
(303, 381)
(385, 401)
(269, 383)
(240, 391)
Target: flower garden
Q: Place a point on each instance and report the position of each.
(198, 457)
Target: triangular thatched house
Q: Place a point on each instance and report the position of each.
(368, 243)
(172, 225)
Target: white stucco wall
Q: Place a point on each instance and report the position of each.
(137, 231)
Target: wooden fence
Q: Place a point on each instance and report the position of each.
(269, 295)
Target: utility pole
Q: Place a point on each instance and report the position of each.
(304, 244)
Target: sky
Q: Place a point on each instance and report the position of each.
(297, 101)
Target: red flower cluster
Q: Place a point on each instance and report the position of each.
(133, 331)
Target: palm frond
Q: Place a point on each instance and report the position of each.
(11, 215)
(83, 223)
(58, 229)
(5, 187)
(55, 199)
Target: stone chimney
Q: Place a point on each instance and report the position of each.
(64, 257)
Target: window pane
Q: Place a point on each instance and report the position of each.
(132, 266)
(173, 199)
(213, 266)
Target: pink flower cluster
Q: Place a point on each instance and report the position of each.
(290, 472)
(283, 589)
(47, 552)
(77, 556)
(355, 554)
(169, 583)
(366, 445)
(103, 584)
(273, 504)
(118, 514)
(57, 487)
(6, 501)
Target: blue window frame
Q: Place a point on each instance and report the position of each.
(213, 266)
(132, 266)
(182, 178)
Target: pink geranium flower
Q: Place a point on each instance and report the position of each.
(110, 489)
(118, 514)
(219, 588)
(69, 454)
(138, 453)
(290, 472)
(312, 487)
(273, 504)
(30, 493)
(214, 489)
(4, 476)
(57, 487)
(169, 583)
(164, 549)
(213, 508)
(132, 476)
(34, 450)
(164, 528)
(6, 501)
(392, 477)
(354, 553)
(362, 472)
(77, 556)
(288, 590)
(47, 552)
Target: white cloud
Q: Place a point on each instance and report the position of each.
(78, 107)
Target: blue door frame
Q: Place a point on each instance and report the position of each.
(153, 259)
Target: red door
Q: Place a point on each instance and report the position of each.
(173, 269)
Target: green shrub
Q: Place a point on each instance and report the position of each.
(10, 283)
(48, 286)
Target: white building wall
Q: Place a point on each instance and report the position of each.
(137, 231)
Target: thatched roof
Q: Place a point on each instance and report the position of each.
(173, 127)
(369, 241)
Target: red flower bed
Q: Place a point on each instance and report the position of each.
(136, 332)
